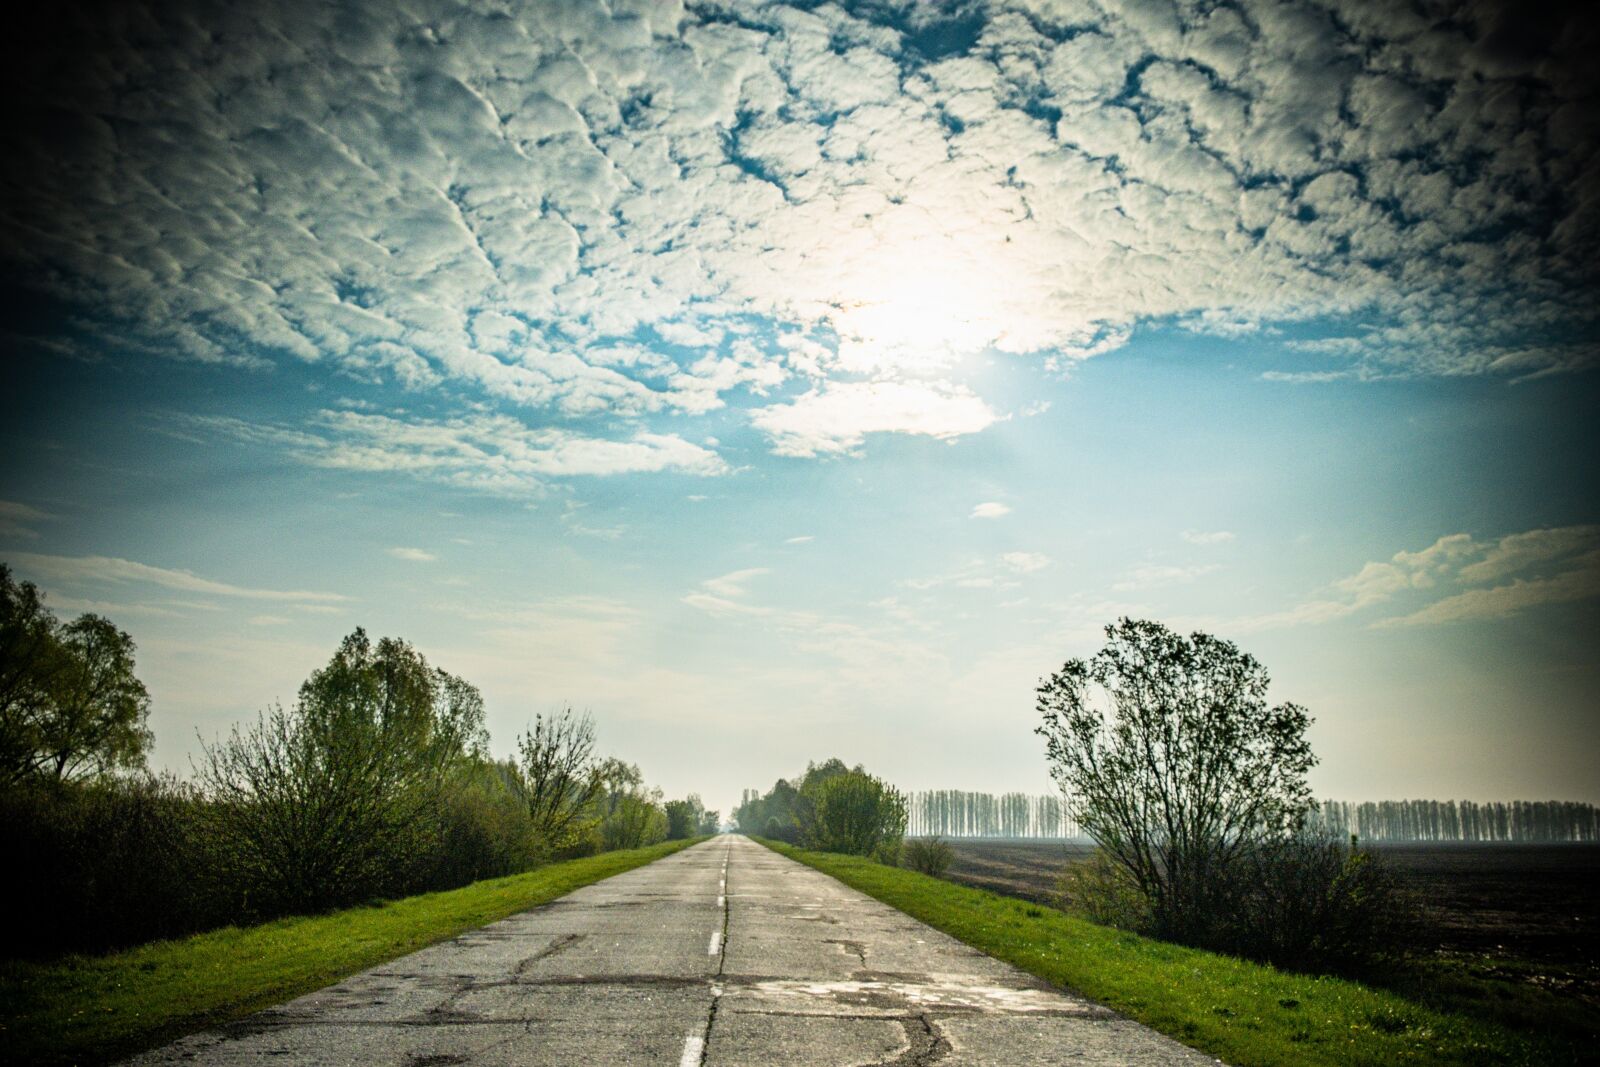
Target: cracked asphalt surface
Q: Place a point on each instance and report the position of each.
(724, 953)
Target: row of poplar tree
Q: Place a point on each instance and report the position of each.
(959, 813)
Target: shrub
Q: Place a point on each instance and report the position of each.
(929, 855)
(854, 813)
(482, 828)
(1312, 903)
(335, 802)
(778, 830)
(1101, 890)
(1305, 903)
(104, 864)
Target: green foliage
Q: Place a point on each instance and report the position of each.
(787, 810)
(689, 817)
(560, 780)
(328, 804)
(375, 784)
(483, 827)
(854, 813)
(928, 855)
(681, 820)
(627, 814)
(1172, 760)
(70, 704)
(1244, 1013)
(772, 814)
(104, 863)
(87, 1011)
(1315, 904)
(1101, 890)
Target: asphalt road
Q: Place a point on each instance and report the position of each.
(724, 953)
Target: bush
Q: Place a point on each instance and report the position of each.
(336, 801)
(854, 813)
(778, 830)
(1312, 903)
(1101, 890)
(1305, 903)
(104, 864)
(482, 828)
(929, 855)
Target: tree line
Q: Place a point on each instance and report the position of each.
(1461, 820)
(833, 808)
(957, 813)
(376, 783)
(960, 813)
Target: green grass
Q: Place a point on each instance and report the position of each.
(1244, 1013)
(84, 1010)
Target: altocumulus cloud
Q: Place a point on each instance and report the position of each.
(495, 453)
(636, 210)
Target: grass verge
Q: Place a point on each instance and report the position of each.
(86, 1010)
(1244, 1013)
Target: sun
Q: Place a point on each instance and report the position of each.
(914, 310)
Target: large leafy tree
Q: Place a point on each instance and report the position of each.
(1172, 760)
(332, 801)
(70, 703)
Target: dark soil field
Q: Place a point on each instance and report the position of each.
(1512, 929)
(1539, 902)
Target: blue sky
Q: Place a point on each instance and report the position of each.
(779, 383)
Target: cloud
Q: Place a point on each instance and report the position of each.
(414, 555)
(1003, 572)
(1203, 537)
(495, 453)
(1520, 551)
(104, 569)
(1152, 575)
(721, 596)
(990, 509)
(1025, 562)
(1581, 582)
(733, 583)
(639, 210)
(800, 540)
(837, 417)
(17, 521)
(1466, 578)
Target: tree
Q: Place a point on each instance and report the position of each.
(710, 822)
(335, 801)
(95, 708)
(1171, 759)
(629, 815)
(560, 780)
(855, 813)
(687, 817)
(70, 703)
(680, 820)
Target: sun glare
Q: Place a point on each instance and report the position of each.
(911, 314)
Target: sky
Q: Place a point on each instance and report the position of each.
(778, 381)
